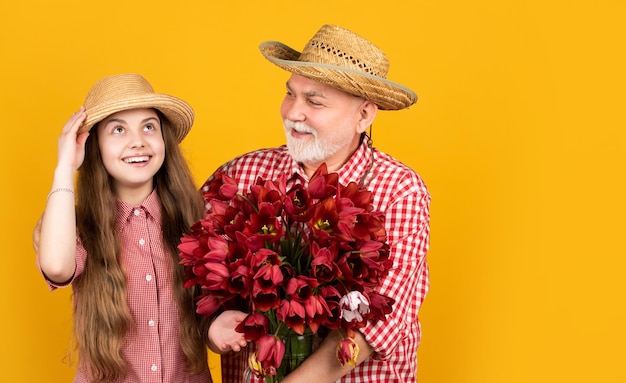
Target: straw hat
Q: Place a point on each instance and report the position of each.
(344, 60)
(131, 91)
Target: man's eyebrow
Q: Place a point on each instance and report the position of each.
(310, 93)
(313, 93)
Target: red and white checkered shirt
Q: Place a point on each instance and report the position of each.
(402, 195)
(151, 348)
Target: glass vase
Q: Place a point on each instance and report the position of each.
(297, 349)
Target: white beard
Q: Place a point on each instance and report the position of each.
(313, 151)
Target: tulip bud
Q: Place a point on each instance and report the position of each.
(347, 352)
(255, 365)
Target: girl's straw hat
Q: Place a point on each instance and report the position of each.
(131, 91)
(344, 60)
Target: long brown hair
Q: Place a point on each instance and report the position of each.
(102, 318)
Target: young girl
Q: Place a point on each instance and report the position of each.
(115, 239)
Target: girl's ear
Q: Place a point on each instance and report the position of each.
(367, 113)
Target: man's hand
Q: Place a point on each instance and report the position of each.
(222, 335)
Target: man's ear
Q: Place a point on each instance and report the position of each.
(367, 113)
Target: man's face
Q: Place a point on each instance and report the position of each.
(322, 124)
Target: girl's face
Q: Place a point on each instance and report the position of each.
(133, 151)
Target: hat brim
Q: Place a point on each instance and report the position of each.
(178, 112)
(387, 94)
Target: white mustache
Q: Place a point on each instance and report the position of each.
(299, 126)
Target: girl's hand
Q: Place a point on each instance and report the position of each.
(222, 335)
(71, 144)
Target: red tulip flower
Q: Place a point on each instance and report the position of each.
(270, 350)
(298, 260)
(254, 326)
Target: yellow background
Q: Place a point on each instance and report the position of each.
(519, 134)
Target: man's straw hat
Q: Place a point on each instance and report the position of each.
(344, 60)
(131, 91)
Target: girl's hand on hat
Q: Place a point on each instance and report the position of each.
(71, 144)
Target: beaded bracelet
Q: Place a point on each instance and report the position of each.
(68, 190)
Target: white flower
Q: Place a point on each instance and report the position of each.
(353, 306)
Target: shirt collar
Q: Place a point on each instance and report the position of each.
(352, 171)
(150, 206)
(358, 164)
(290, 166)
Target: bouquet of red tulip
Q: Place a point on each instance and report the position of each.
(298, 260)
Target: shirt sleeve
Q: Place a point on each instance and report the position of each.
(80, 257)
(407, 220)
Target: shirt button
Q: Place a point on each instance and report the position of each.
(150, 323)
(142, 241)
(153, 367)
(137, 212)
(148, 277)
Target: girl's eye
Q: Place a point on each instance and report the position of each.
(314, 103)
(152, 126)
(118, 129)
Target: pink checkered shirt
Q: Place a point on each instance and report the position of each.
(151, 347)
(401, 194)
